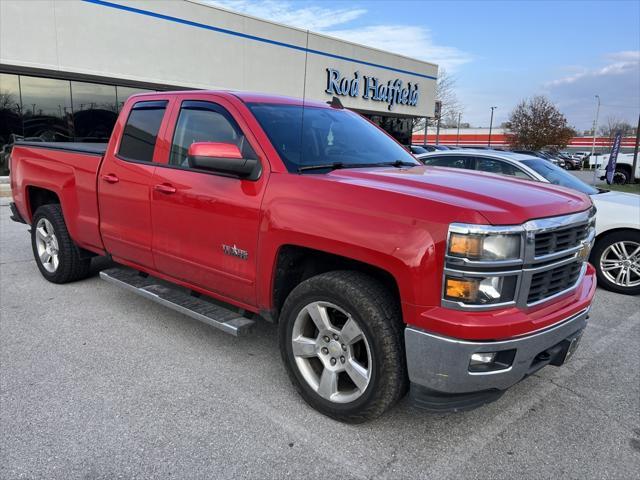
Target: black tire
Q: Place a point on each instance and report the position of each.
(599, 249)
(377, 313)
(621, 176)
(71, 266)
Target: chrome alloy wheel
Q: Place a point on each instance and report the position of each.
(620, 263)
(47, 245)
(331, 352)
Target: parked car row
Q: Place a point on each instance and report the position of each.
(557, 158)
(616, 254)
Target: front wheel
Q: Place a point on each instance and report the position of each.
(341, 341)
(616, 257)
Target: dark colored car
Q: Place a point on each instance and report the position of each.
(418, 149)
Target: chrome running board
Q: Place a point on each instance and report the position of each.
(179, 300)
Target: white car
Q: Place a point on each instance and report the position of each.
(616, 252)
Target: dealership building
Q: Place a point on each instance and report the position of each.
(67, 66)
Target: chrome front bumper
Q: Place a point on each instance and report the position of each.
(441, 364)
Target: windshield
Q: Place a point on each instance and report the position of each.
(325, 136)
(558, 176)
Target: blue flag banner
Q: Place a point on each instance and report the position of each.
(611, 166)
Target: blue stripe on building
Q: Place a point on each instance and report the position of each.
(255, 38)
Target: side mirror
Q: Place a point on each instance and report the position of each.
(220, 157)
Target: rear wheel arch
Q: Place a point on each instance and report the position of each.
(37, 197)
(624, 167)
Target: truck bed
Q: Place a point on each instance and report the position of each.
(69, 170)
(78, 147)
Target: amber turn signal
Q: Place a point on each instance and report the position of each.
(462, 289)
(465, 245)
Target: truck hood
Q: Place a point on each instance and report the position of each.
(501, 200)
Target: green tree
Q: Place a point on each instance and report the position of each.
(536, 124)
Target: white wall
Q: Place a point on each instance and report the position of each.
(87, 38)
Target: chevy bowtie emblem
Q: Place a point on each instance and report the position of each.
(235, 252)
(583, 253)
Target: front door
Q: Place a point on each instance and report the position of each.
(205, 225)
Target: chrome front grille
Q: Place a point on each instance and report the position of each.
(551, 282)
(548, 242)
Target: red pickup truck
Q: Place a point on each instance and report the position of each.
(383, 275)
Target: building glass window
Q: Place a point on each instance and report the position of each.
(10, 119)
(95, 111)
(125, 92)
(400, 128)
(46, 109)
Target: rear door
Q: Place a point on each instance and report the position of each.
(125, 180)
(206, 224)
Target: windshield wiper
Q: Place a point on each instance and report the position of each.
(401, 163)
(337, 165)
(330, 166)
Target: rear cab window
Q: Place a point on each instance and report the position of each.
(141, 131)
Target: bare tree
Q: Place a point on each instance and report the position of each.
(614, 125)
(446, 94)
(8, 101)
(537, 123)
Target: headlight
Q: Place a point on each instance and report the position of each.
(484, 247)
(480, 290)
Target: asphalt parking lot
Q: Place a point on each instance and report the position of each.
(98, 383)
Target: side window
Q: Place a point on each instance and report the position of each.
(451, 161)
(499, 167)
(205, 122)
(141, 131)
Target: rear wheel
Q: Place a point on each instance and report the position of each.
(57, 257)
(616, 257)
(621, 176)
(341, 341)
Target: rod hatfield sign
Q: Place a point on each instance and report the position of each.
(394, 92)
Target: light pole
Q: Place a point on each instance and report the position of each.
(635, 153)
(458, 132)
(426, 124)
(593, 144)
(491, 125)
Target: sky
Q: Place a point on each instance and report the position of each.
(499, 52)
